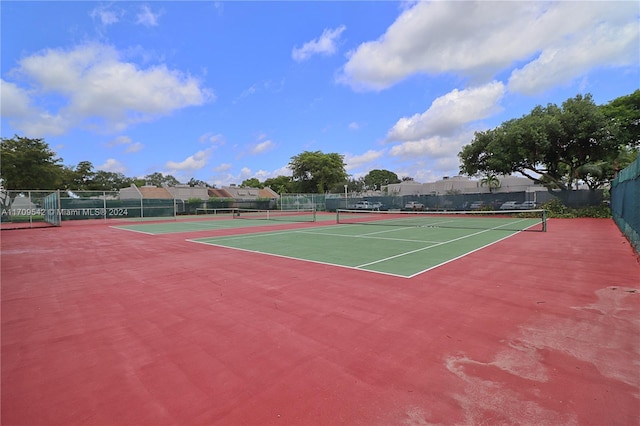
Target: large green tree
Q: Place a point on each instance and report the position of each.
(158, 179)
(316, 172)
(197, 182)
(109, 181)
(625, 113)
(353, 186)
(280, 184)
(251, 183)
(27, 163)
(376, 179)
(79, 178)
(554, 146)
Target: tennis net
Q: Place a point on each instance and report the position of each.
(215, 212)
(298, 215)
(504, 220)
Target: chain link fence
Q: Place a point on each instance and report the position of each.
(30, 209)
(475, 201)
(625, 202)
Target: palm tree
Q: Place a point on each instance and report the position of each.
(491, 181)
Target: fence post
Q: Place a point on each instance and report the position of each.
(59, 207)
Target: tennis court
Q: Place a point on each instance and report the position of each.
(227, 219)
(110, 327)
(403, 244)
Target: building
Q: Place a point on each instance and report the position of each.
(186, 193)
(239, 193)
(463, 185)
(145, 192)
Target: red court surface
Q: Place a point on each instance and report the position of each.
(106, 327)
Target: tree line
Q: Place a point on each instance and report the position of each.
(29, 163)
(556, 146)
(560, 146)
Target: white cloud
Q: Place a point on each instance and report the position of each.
(146, 17)
(435, 146)
(106, 15)
(354, 126)
(325, 45)
(478, 39)
(127, 142)
(246, 93)
(606, 46)
(223, 167)
(193, 162)
(355, 161)
(15, 101)
(99, 91)
(261, 175)
(224, 176)
(282, 171)
(134, 147)
(44, 124)
(262, 147)
(120, 140)
(449, 113)
(112, 165)
(16, 105)
(216, 139)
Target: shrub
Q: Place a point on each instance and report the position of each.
(555, 208)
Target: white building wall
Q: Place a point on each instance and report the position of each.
(186, 192)
(462, 185)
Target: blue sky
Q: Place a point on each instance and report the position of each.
(226, 91)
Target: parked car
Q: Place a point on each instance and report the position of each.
(477, 205)
(527, 205)
(366, 205)
(509, 205)
(414, 205)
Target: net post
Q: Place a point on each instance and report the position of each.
(544, 221)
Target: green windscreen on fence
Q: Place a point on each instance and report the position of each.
(625, 202)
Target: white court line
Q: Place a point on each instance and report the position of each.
(355, 268)
(461, 256)
(358, 267)
(180, 230)
(435, 245)
(131, 230)
(369, 236)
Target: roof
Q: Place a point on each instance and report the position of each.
(219, 193)
(155, 193)
(239, 193)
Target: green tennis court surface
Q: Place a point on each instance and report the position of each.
(237, 219)
(397, 250)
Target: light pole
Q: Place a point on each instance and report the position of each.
(346, 205)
